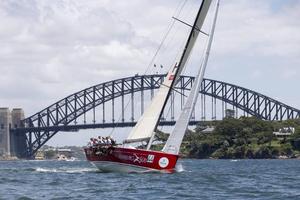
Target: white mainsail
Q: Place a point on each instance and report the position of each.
(146, 125)
(174, 141)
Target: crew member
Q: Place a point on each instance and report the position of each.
(95, 141)
(100, 140)
(113, 142)
(108, 140)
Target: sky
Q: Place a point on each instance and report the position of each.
(50, 49)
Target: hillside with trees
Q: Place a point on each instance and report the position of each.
(246, 137)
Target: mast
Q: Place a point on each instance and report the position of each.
(147, 124)
(196, 28)
(174, 141)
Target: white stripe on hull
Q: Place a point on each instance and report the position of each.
(107, 166)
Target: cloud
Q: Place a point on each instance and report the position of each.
(254, 37)
(50, 49)
(253, 27)
(45, 44)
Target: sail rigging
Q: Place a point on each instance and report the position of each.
(174, 141)
(147, 124)
(196, 29)
(111, 157)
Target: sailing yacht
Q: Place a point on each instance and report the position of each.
(125, 158)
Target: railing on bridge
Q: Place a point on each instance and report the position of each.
(117, 95)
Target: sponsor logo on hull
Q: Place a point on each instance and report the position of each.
(135, 157)
(163, 162)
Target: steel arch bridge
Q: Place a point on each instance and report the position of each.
(42, 126)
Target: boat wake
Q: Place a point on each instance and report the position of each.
(65, 170)
(179, 168)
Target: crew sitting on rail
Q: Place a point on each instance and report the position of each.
(100, 140)
(110, 141)
(113, 142)
(94, 141)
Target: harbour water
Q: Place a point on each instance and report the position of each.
(195, 179)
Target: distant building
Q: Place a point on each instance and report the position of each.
(68, 153)
(39, 155)
(229, 113)
(209, 129)
(54, 153)
(285, 131)
(10, 143)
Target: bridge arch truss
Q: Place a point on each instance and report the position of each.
(42, 126)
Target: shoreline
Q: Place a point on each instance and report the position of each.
(181, 157)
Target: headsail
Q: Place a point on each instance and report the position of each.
(174, 141)
(145, 127)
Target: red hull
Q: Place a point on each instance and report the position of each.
(137, 158)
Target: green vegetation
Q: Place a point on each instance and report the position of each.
(247, 137)
(49, 152)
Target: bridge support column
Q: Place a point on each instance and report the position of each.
(5, 123)
(17, 139)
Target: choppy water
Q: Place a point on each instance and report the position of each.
(196, 179)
